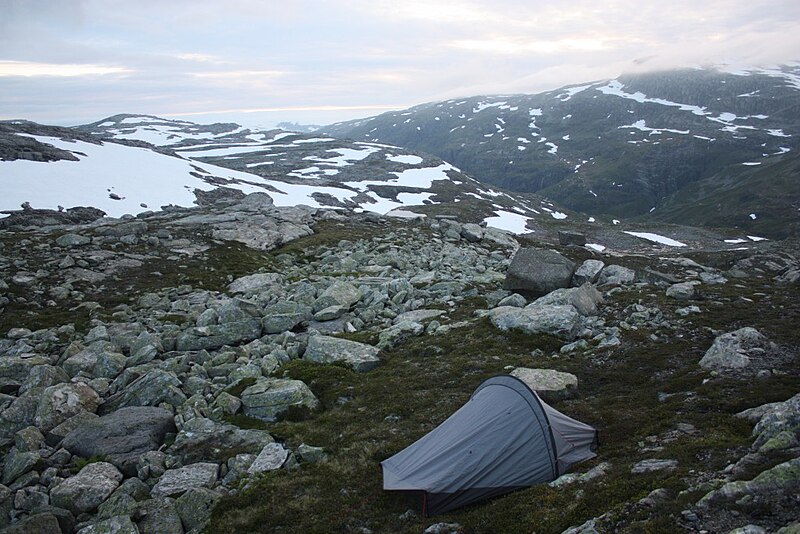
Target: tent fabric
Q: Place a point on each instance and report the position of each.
(504, 438)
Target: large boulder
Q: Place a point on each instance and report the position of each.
(217, 335)
(17, 368)
(325, 349)
(271, 457)
(123, 436)
(158, 516)
(559, 321)
(549, 384)
(340, 293)
(269, 397)
(284, 316)
(538, 272)
(118, 524)
(99, 360)
(202, 439)
(175, 482)
(735, 350)
(683, 290)
(88, 489)
(60, 402)
(151, 389)
(195, 507)
(254, 283)
(584, 298)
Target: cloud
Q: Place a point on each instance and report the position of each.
(31, 69)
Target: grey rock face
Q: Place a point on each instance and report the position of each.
(538, 271)
(175, 482)
(615, 275)
(88, 489)
(683, 291)
(72, 240)
(194, 507)
(271, 457)
(340, 293)
(204, 439)
(60, 402)
(588, 271)
(324, 349)
(269, 397)
(559, 321)
(735, 350)
(153, 388)
(548, 383)
(584, 298)
(122, 436)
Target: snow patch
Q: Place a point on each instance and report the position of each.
(656, 238)
(506, 220)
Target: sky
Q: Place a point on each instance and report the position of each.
(259, 62)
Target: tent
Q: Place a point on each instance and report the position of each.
(504, 438)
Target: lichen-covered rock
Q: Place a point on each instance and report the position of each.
(215, 336)
(783, 477)
(615, 275)
(538, 271)
(17, 368)
(559, 321)
(194, 507)
(339, 293)
(269, 397)
(325, 349)
(158, 516)
(88, 489)
(271, 457)
(203, 439)
(253, 283)
(548, 383)
(123, 436)
(584, 298)
(284, 316)
(17, 463)
(36, 524)
(683, 291)
(647, 466)
(62, 401)
(310, 454)
(735, 350)
(119, 524)
(151, 389)
(175, 482)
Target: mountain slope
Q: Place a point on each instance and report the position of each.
(619, 147)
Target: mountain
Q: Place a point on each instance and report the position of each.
(624, 147)
(132, 163)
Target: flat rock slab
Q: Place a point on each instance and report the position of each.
(648, 466)
(88, 489)
(547, 382)
(271, 457)
(326, 349)
(122, 436)
(559, 321)
(175, 482)
(417, 316)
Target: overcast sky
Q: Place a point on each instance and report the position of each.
(260, 62)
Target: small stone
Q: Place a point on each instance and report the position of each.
(548, 383)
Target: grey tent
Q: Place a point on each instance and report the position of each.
(504, 438)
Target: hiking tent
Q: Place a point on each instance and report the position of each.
(504, 438)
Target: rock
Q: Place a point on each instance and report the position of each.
(60, 402)
(735, 350)
(472, 232)
(310, 454)
(444, 528)
(43, 376)
(194, 507)
(417, 316)
(584, 298)
(57, 434)
(122, 436)
(72, 240)
(17, 368)
(36, 524)
(549, 384)
(175, 482)
(648, 466)
(559, 321)
(271, 457)
(151, 389)
(88, 489)
(748, 529)
(515, 299)
(159, 516)
(688, 310)
(782, 478)
(683, 291)
(284, 316)
(28, 439)
(570, 478)
(339, 293)
(571, 238)
(119, 524)
(96, 361)
(204, 439)
(615, 275)
(254, 283)
(216, 336)
(17, 463)
(269, 397)
(359, 356)
(538, 272)
(775, 424)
